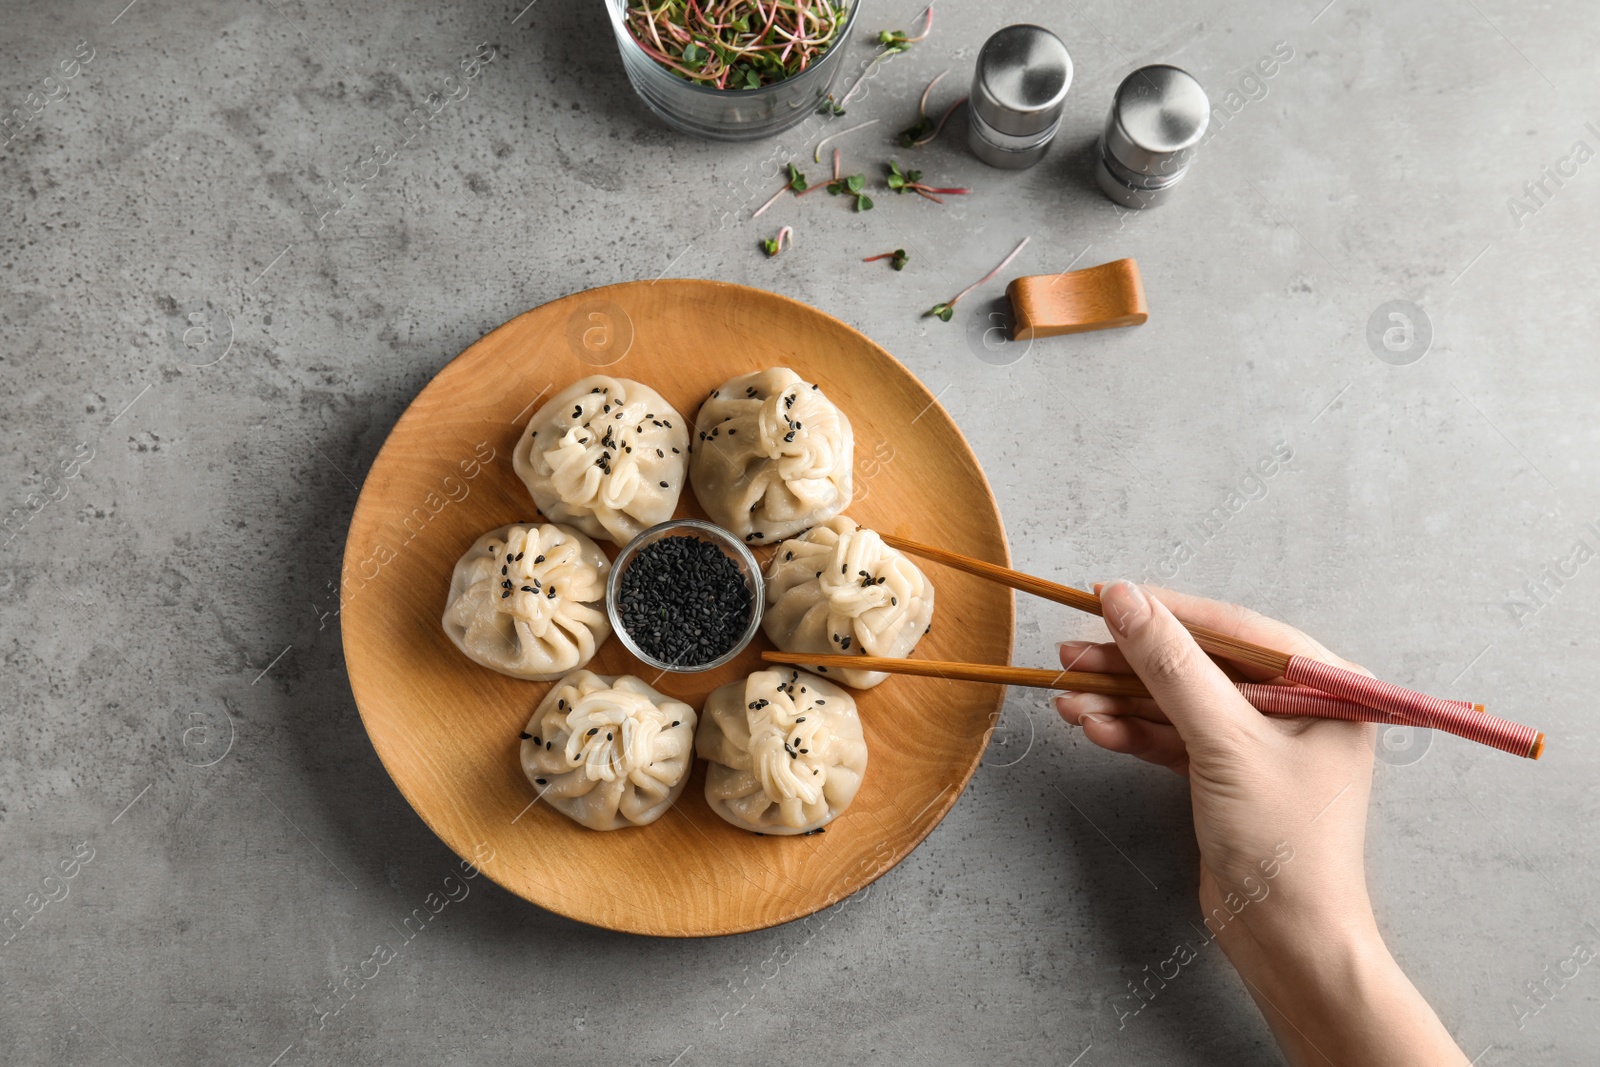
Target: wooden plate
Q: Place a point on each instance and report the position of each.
(448, 730)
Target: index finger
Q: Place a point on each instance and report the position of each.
(1247, 625)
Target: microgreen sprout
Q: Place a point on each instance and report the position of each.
(944, 311)
(797, 182)
(897, 258)
(897, 41)
(925, 129)
(773, 245)
(894, 42)
(902, 180)
(735, 44)
(852, 185)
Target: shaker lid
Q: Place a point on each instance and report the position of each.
(1157, 119)
(1021, 81)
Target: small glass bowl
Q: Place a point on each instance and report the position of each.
(731, 546)
(728, 114)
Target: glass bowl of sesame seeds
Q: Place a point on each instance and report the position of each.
(685, 596)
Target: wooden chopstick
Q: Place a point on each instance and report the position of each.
(1212, 641)
(1400, 704)
(1344, 684)
(1269, 699)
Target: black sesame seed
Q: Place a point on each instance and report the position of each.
(538, 781)
(538, 559)
(683, 601)
(594, 731)
(577, 411)
(535, 740)
(608, 737)
(504, 593)
(528, 589)
(662, 455)
(663, 485)
(675, 722)
(526, 736)
(732, 432)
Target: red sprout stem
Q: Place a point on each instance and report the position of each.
(926, 26)
(769, 203)
(1004, 263)
(951, 110)
(922, 105)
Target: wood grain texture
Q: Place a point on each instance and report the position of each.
(447, 730)
(1095, 298)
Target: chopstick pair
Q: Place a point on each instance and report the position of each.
(1321, 690)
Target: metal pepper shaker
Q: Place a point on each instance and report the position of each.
(1018, 89)
(1157, 119)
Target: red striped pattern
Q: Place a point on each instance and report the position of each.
(1412, 708)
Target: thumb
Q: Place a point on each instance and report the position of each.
(1191, 689)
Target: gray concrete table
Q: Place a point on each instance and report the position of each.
(217, 301)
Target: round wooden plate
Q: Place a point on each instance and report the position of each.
(448, 730)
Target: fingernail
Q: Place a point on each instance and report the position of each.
(1098, 720)
(1126, 607)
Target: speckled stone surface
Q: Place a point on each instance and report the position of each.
(203, 342)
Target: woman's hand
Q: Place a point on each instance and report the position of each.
(1280, 808)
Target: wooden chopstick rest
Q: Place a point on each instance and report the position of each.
(1095, 298)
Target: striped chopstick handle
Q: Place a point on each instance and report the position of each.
(1417, 709)
(1303, 700)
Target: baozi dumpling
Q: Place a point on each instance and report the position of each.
(839, 589)
(606, 455)
(528, 600)
(772, 456)
(608, 751)
(784, 751)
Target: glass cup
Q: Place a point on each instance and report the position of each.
(729, 114)
(730, 545)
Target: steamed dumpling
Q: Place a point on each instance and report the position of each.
(608, 751)
(784, 751)
(528, 601)
(772, 456)
(839, 589)
(606, 455)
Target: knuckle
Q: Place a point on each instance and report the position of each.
(1171, 660)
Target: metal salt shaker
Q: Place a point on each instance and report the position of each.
(1017, 92)
(1157, 120)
